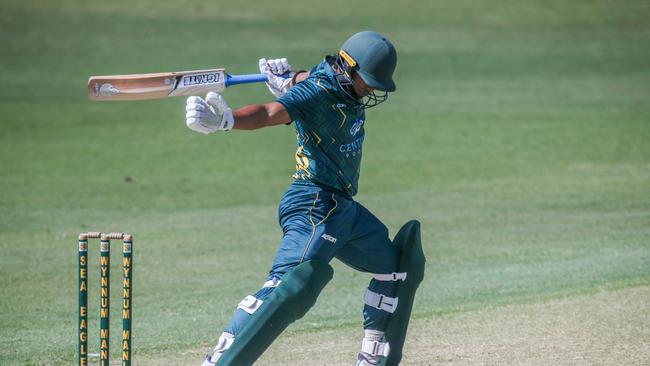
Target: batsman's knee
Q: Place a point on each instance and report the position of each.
(412, 258)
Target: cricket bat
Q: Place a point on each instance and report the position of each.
(165, 84)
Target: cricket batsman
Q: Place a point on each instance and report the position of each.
(320, 219)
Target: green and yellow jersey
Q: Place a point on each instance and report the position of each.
(329, 129)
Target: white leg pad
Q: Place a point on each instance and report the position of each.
(381, 302)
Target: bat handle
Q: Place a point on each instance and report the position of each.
(245, 79)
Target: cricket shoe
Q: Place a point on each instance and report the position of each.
(364, 359)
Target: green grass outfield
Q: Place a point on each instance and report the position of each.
(519, 137)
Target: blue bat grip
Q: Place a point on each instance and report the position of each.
(245, 79)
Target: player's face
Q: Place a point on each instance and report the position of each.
(361, 89)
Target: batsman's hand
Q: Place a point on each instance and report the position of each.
(208, 115)
(279, 73)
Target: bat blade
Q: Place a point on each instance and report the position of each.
(157, 85)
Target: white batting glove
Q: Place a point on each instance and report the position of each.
(208, 115)
(279, 73)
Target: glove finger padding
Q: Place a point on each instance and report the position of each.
(278, 73)
(194, 100)
(194, 124)
(284, 66)
(191, 106)
(193, 114)
(279, 66)
(275, 66)
(208, 115)
(216, 100)
(217, 104)
(264, 65)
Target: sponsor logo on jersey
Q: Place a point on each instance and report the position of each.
(329, 238)
(356, 127)
(352, 147)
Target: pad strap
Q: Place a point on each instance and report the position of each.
(381, 302)
(375, 348)
(249, 304)
(273, 282)
(395, 276)
(225, 341)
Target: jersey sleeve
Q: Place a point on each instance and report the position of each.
(302, 101)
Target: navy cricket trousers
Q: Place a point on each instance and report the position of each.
(320, 224)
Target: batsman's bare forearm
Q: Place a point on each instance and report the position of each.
(254, 116)
(300, 76)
